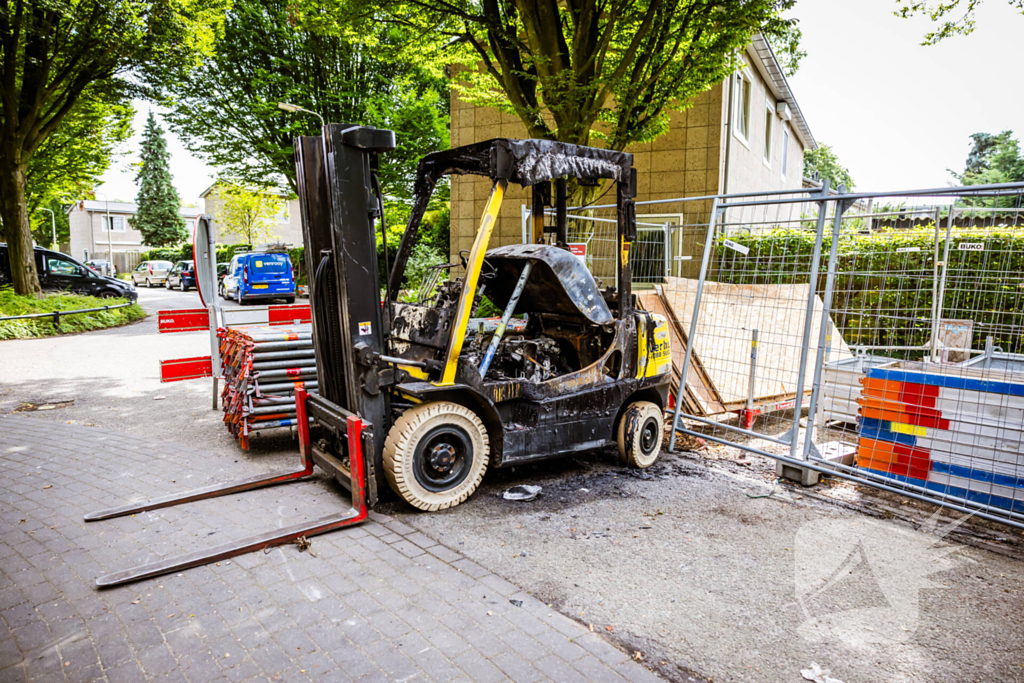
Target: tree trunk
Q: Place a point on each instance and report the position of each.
(18, 232)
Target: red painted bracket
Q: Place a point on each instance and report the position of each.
(185, 368)
(183, 320)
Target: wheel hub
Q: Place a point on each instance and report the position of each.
(442, 457)
(649, 437)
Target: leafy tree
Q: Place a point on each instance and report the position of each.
(51, 53)
(825, 163)
(226, 111)
(962, 13)
(582, 69)
(70, 161)
(993, 159)
(247, 213)
(43, 223)
(787, 48)
(159, 215)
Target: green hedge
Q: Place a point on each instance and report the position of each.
(15, 304)
(184, 253)
(884, 280)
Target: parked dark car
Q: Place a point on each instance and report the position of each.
(103, 267)
(59, 272)
(182, 276)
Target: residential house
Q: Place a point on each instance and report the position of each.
(286, 230)
(745, 134)
(100, 227)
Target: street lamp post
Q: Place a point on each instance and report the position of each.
(53, 224)
(109, 226)
(294, 108)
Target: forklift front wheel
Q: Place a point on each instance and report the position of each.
(639, 434)
(436, 454)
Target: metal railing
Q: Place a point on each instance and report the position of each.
(56, 315)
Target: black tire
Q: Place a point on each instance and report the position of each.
(221, 292)
(181, 286)
(639, 434)
(436, 454)
(149, 283)
(109, 294)
(289, 300)
(238, 296)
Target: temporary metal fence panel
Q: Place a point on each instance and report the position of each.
(931, 298)
(878, 337)
(751, 317)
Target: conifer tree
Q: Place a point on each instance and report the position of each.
(158, 217)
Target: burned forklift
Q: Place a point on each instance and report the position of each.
(447, 394)
(420, 396)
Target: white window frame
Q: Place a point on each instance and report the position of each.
(785, 150)
(741, 107)
(769, 133)
(113, 223)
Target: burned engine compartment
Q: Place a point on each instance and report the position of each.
(539, 347)
(561, 324)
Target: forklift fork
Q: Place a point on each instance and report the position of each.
(354, 515)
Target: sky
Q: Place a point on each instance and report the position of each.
(897, 113)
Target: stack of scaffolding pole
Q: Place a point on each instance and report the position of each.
(262, 366)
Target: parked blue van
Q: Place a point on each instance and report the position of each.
(254, 276)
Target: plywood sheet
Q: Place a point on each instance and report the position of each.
(700, 395)
(729, 313)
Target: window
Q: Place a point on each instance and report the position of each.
(114, 223)
(62, 267)
(742, 107)
(769, 120)
(785, 151)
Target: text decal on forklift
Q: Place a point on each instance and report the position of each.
(365, 328)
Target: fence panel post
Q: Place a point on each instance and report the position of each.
(825, 329)
(705, 261)
(812, 285)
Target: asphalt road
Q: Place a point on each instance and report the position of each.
(700, 565)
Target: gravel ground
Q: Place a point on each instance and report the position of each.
(692, 564)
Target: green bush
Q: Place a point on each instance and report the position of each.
(184, 253)
(298, 259)
(15, 304)
(165, 254)
(225, 252)
(884, 280)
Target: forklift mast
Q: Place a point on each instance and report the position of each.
(341, 202)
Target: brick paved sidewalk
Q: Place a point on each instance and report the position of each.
(375, 603)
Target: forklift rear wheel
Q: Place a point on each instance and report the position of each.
(639, 434)
(436, 454)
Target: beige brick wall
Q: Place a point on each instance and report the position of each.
(683, 162)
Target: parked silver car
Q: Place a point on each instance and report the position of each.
(153, 273)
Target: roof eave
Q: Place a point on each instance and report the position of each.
(768, 64)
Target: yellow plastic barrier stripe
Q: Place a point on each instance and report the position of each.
(476, 261)
(912, 430)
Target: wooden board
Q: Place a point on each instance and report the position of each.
(723, 346)
(698, 384)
